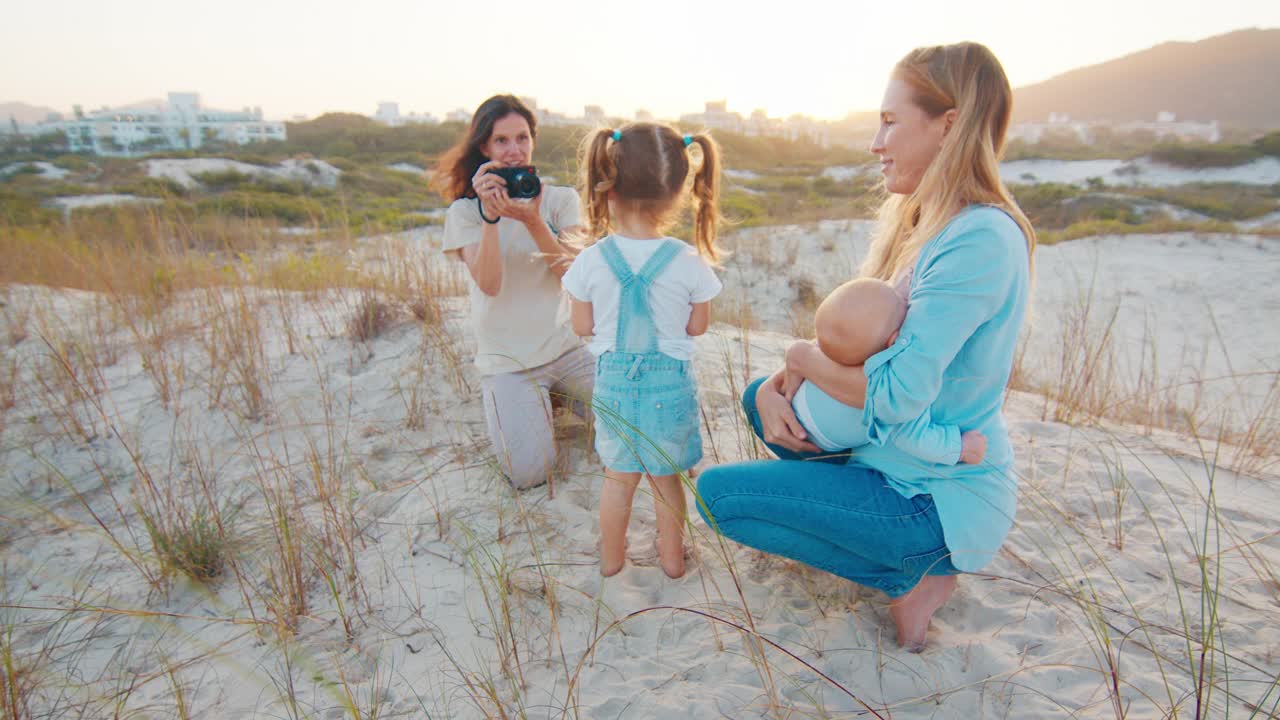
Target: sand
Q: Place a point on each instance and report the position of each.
(46, 170)
(1100, 568)
(1142, 171)
(184, 170)
(77, 202)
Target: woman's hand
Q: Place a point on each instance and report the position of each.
(790, 384)
(527, 211)
(488, 187)
(778, 421)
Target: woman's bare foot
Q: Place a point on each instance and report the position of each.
(671, 555)
(912, 612)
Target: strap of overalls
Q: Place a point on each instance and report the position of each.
(636, 330)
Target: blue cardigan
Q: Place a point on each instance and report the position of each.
(952, 360)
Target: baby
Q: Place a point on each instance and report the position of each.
(857, 320)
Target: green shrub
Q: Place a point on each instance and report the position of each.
(1268, 144)
(74, 163)
(1221, 201)
(220, 180)
(21, 210)
(1092, 228)
(285, 208)
(158, 187)
(20, 170)
(1201, 155)
(742, 208)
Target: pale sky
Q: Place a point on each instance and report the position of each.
(824, 59)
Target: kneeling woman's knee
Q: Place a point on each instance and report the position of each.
(711, 485)
(526, 473)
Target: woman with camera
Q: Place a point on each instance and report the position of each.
(953, 238)
(507, 228)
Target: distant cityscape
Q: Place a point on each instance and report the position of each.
(183, 123)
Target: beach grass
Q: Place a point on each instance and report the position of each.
(247, 474)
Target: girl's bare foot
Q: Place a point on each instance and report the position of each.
(615, 513)
(610, 565)
(671, 555)
(669, 506)
(912, 612)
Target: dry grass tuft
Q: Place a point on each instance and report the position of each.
(188, 541)
(371, 318)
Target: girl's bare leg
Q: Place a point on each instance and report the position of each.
(669, 503)
(615, 513)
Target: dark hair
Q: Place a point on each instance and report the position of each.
(459, 164)
(646, 166)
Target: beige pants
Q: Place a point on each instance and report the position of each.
(517, 409)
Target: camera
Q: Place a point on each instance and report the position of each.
(522, 182)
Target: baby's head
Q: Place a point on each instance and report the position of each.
(859, 319)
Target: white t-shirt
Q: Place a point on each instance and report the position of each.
(527, 323)
(686, 280)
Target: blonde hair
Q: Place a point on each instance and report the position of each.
(647, 169)
(967, 78)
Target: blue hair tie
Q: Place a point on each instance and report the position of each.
(617, 135)
(688, 139)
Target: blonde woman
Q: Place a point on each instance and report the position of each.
(952, 238)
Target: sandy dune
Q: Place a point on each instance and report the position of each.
(470, 597)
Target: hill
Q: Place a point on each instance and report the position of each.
(1232, 78)
(24, 113)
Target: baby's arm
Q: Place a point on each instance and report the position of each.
(936, 443)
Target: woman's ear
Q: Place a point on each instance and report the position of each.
(950, 115)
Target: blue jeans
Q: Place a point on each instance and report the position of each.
(840, 518)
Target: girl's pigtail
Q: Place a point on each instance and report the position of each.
(706, 198)
(598, 176)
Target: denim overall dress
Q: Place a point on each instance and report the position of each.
(646, 403)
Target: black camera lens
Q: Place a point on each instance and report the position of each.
(522, 182)
(527, 185)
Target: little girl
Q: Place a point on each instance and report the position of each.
(642, 297)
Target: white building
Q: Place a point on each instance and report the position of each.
(761, 125)
(389, 114)
(1057, 124)
(715, 116)
(804, 128)
(180, 124)
(1166, 126)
